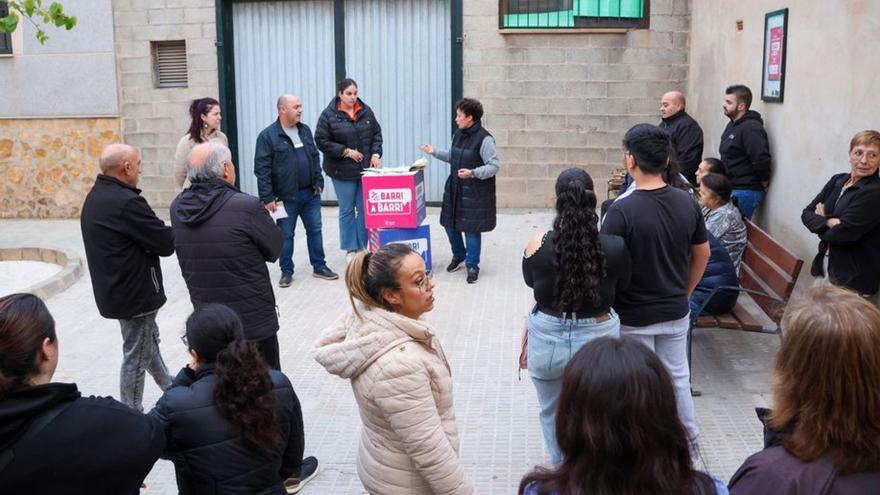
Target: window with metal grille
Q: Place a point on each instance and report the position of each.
(169, 64)
(5, 38)
(573, 14)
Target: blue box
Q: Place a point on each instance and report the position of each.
(418, 238)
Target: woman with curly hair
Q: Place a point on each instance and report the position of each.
(619, 430)
(823, 435)
(574, 272)
(233, 426)
(204, 126)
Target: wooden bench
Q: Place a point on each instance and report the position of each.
(768, 274)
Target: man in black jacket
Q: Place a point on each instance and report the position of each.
(687, 136)
(745, 150)
(223, 239)
(288, 168)
(123, 240)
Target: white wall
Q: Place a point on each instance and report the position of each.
(72, 75)
(832, 91)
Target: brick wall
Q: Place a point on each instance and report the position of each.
(558, 100)
(153, 119)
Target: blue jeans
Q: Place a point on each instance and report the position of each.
(748, 200)
(308, 207)
(467, 249)
(552, 343)
(352, 230)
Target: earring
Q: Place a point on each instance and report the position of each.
(205, 125)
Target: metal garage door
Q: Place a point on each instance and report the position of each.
(399, 52)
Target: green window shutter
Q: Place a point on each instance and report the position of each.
(632, 8)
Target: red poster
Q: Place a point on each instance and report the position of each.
(774, 59)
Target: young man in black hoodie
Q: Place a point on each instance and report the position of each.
(124, 240)
(744, 150)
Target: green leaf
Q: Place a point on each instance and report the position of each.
(9, 23)
(70, 23)
(56, 9)
(29, 6)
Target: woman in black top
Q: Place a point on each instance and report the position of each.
(350, 138)
(575, 273)
(233, 425)
(52, 439)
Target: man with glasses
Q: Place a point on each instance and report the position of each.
(223, 239)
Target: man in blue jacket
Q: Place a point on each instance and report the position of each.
(288, 168)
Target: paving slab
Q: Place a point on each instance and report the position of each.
(479, 326)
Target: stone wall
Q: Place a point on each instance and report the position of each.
(154, 119)
(557, 100)
(47, 166)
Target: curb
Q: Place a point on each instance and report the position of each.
(71, 268)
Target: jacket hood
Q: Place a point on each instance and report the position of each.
(201, 201)
(19, 408)
(750, 115)
(350, 344)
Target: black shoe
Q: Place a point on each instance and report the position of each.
(286, 279)
(454, 265)
(473, 275)
(325, 273)
(307, 471)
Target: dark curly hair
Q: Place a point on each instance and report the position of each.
(243, 391)
(618, 427)
(197, 108)
(580, 262)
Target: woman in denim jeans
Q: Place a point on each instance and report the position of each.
(574, 272)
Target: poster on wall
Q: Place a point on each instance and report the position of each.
(775, 35)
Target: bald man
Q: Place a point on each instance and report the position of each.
(124, 240)
(687, 136)
(288, 169)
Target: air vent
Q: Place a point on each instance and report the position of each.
(169, 64)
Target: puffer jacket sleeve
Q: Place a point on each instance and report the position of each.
(403, 393)
(324, 138)
(376, 148)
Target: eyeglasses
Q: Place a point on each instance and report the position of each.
(184, 340)
(872, 155)
(425, 282)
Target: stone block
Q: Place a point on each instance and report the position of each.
(513, 154)
(680, 23)
(664, 7)
(642, 105)
(473, 23)
(505, 121)
(584, 156)
(646, 38)
(199, 15)
(529, 105)
(483, 39)
(568, 105)
(526, 73)
(503, 88)
(585, 89)
(646, 56)
(545, 56)
(526, 40)
(524, 170)
(566, 139)
(485, 72)
(164, 16)
(11, 254)
(608, 106)
(605, 140)
(541, 88)
(138, 65)
(569, 72)
(650, 72)
(527, 138)
(546, 155)
(607, 39)
(510, 186)
(591, 55)
(609, 72)
(584, 124)
(507, 55)
(682, 7)
(546, 122)
(129, 18)
(480, 7)
(627, 89)
(471, 56)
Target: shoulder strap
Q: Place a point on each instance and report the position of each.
(34, 429)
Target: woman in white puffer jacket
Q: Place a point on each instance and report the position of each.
(399, 374)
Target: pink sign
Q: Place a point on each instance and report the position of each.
(394, 200)
(774, 58)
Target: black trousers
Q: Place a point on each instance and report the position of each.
(269, 349)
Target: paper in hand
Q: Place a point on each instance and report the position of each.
(279, 212)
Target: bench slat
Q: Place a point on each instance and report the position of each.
(748, 280)
(769, 272)
(785, 259)
(727, 321)
(746, 319)
(706, 321)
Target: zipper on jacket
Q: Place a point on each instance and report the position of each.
(155, 279)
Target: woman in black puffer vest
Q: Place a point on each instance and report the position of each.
(469, 195)
(233, 426)
(351, 140)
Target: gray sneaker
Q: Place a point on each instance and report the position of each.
(325, 273)
(286, 279)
